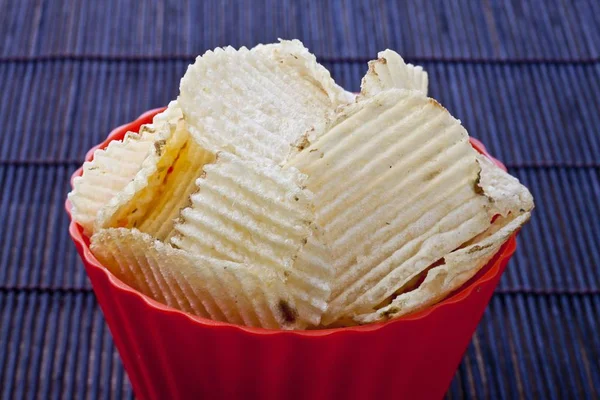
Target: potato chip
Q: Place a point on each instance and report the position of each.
(513, 203)
(297, 61)
(507, 193)
(174, 193)
(254, 212)
(161, 188)
(260, 102)
(390, 71)
(172, 114)
(200, 285)
(455, 270)
(395, 189)
(111, 169)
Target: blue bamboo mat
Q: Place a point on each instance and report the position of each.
(524, 77)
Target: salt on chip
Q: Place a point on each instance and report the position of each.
(153, 199)
(111, 169)
(390, 71)
(258, 103)
(203, 286)
(254, 212)
(395, 183)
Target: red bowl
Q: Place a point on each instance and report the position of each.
(169, 354)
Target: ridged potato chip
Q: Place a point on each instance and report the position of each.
(161, 188)
(258, 103)
(111, 169)
(513, 204)
(171, 114)
(395, 183)
(390, 71)
(255, 212)
(174, 194)
(203, 286)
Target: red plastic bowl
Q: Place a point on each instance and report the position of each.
(172, 355)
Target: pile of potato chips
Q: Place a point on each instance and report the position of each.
(268, 196)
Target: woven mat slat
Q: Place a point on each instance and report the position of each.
(35, 248)
(526, 114)
(559, 246)
(545, 346)
(494, 29)
(57, 346)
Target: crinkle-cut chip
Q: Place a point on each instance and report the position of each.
(313, 262)
(153, 199)
(390, 71)
(203, 286)
(171, 114)
(111, 169)
(296, 59)
(257, 103)
(395, 189)
(507, 193)
(253, 211)
(513, 203)
(114, 167)
(457, 268)
(174, 193)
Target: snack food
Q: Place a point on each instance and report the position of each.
(151, 201)
(397, 187)
(260, 102)
(341, 211)
(255, 212)
(113, 176)
(208, 287)
(390, 71)
(105, 176)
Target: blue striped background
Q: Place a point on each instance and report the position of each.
(524, 77)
